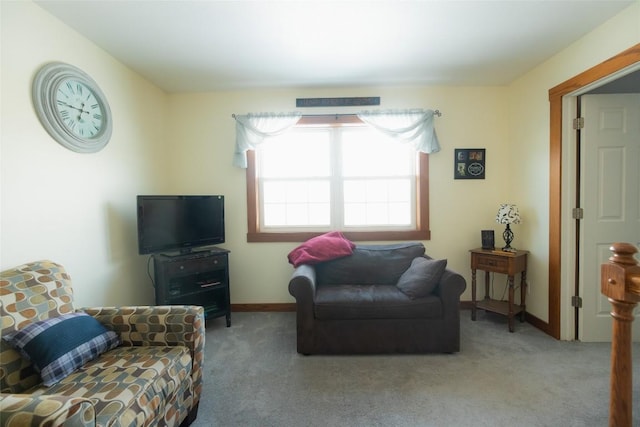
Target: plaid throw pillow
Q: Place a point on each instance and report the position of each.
(60, 345)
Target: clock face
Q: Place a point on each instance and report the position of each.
(79, 109)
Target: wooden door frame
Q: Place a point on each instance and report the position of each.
(556, 94)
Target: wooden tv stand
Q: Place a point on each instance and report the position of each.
(197, 278)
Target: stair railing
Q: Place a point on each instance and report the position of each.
(620, 282)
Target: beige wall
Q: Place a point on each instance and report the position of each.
(472, 117)
(79, 209)
(76, 209)
(529, 140)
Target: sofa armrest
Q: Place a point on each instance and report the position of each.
(451, 286)
(45, 410)
(303, 288)
(302, 285)
(173, 325)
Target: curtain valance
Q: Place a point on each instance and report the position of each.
(413, 126)
(253, 129)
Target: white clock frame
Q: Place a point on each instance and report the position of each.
(46, 84)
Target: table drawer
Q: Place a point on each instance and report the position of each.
(491, 263)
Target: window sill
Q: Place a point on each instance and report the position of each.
(356, 236)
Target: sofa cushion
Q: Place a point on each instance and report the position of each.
(422, 277)
(59, 345)
(335, 302)
(130, 386)
(325, 247)
(30, 292)
(370, 264)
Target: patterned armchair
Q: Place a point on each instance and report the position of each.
(152, 377)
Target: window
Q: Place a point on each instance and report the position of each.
(343, 176)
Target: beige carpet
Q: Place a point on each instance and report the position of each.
(254, 377)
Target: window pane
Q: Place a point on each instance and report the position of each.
(274, 215)
(399, 213)
(297, 214)
(399, 190)
(355, 214)
(355, 191)
(377, 202)
(298, 153)
(367, 152)
(319, 214)
(297, 192)
(274, 192)
(296, 203)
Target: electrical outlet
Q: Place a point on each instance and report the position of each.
(528, 287)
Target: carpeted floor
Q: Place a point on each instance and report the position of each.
(254, 377)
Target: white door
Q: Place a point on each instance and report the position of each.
(610, 195)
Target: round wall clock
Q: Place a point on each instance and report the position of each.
(72, 108)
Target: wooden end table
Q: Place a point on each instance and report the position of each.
(496, 261)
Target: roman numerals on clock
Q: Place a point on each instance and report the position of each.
(78, 109)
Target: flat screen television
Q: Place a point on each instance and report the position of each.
(179, 223)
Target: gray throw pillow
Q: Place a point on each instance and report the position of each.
(422, 277)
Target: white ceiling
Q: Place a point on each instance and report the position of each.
(205, 45)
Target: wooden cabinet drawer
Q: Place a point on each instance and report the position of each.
(490, 263)
(191, 266)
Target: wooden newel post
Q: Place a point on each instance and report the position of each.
(620, 281)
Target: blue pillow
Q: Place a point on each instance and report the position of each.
(58, 346)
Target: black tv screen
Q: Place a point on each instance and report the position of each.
(179, 223)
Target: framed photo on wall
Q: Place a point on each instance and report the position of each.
(469, 163)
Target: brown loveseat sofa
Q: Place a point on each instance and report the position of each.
(354, 304)
(151, 376)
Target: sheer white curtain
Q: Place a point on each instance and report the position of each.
(413, 126)
(253, 129)
(410, 126)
